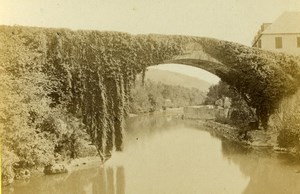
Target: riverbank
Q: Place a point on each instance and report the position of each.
(82, 163)
(70, 166)
(255, 138)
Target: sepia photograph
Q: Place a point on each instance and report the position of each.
(150, 96)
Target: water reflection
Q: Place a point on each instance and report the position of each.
(96, 180)
(269, 172)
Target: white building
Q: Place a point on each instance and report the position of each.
(282, 35)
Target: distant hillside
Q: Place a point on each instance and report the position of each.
(172, 78)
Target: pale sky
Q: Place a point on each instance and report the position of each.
(233, 20)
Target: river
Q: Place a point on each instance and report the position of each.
(163, 155)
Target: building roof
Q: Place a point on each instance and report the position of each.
(287, 23)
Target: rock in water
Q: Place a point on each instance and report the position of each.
(55, 169)
(22, 174)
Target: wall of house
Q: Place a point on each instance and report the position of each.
(289, 43)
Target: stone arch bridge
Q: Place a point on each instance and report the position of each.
(93, 70)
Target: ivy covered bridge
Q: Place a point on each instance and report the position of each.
(90, 73)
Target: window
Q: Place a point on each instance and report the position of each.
(278, 42)
(259, 44)
(298, 42)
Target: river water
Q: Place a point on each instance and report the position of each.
(171, 156)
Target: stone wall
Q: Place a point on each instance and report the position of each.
(204, 112)
(257, 138)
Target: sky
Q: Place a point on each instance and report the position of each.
(232, 20)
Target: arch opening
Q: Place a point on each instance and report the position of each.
(188, 70)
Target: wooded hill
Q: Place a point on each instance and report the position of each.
(176, 79)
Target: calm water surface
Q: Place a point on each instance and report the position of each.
(169, 156)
